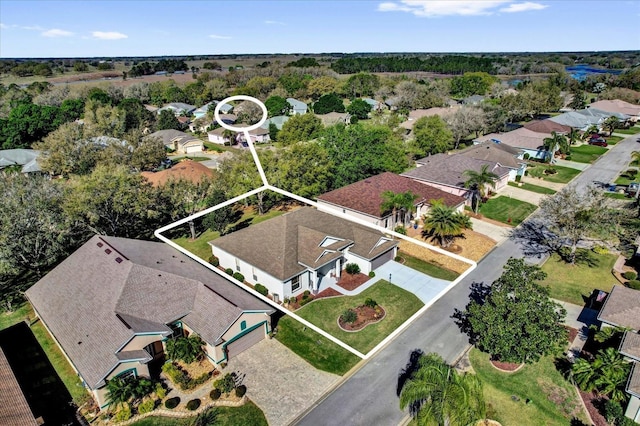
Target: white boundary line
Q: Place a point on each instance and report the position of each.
(267, 186)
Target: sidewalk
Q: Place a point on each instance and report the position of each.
(580, 318)
(571, 164)
(495, 232)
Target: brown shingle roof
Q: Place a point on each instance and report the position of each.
(278, 246)
(449, 169)
(519, 138)
(185, 170)
(622, 308)
(630, 345)
(365, 196)
(14, 409)
(505, 155)
(633, 385)
(547, 126)
(111, 288)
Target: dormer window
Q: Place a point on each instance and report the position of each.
(328, 241)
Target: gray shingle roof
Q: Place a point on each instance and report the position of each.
(281, 245)
(449, 169)
(505, 155)
(633, 385)
(14, 409)
(111, 288)
(169, 136)
(622, 308)
(630, 345)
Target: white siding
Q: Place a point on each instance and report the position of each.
(365, 266)
(330, 208)
(633, 409)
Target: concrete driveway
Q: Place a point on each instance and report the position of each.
(280, 382)
(422, 285)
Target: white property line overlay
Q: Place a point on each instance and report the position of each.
(267, 186)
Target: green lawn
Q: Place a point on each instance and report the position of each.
(626, 178)
(562, 175)
(553, 400)
(612, 140)
(247, 414)
(618, 196)
(630, 131)
(399, 305)
(316, 349)
(587, 153)
(533, 188)
(20, 313)
(428, 268)
(200, 246)
(507, 210)
(210, 146)
(573, 282)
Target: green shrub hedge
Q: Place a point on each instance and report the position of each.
(229, 271)
(194, 404)
(630, 275)
(215, 394)
(172, 403)
(238, 276)
(146, 406)
(241, 390)
(261, 289)
(634, 284)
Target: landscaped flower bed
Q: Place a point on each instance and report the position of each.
(365, 315)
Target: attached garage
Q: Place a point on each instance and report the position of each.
(194, 149)
(246, 341)
(382, 259)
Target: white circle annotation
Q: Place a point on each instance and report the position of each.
(216, 113)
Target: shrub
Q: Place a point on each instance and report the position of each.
(172, 403)
(630, 275)
(161, 392)
(214, 260)
(397, 258)
(227, 383)
(215, 394)
(634, 284)
(238, 276)
(401, 230)
(261, 289)
(285, 300)
(349, 316)
(612, 411)
(600, 250)
(568, 158)
(123, 414)
(526, 156)
(352, 268)
(229, 271)
(241, 390)
(306, 293)
(146, 406)
(372, 274)
(370, 303)
(194, 404)
(518, 178)
(305, 300)
(550, 170)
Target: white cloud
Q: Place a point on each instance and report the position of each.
(108, 35)
(33, 28)
(56, 32)
(274, 22)
(219, 37)
(3, 26)
(523, 7)
(428, 8)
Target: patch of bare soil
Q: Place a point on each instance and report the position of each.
(352, 281)
(591, 400)
(508, 367)
(572, 334)
(564, 399)
(366, 315)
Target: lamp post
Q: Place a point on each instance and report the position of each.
(389, 278)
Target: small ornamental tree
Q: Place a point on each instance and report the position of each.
(514, 319)
(359, 108)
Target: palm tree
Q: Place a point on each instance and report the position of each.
(437, 394)
(611, 124)
(554, 143)
(402, 203)
(119, 391)
(574, 136)
(607, 373)
(187, 349)
(228, 135)
(444, 224)
(477, 182)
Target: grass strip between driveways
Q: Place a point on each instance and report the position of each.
(573, 283)
(562, 175)
(507, 210)
(247, 414)
(428, 268)
(314, 348)
(552, 400)
(533, 188)
(398, 303)
(587, 153)
(630, 131)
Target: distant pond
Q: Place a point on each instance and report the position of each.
(581, 71)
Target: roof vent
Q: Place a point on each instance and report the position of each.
(80, 342)
(119, 259)
(108, 251)
(100, 244)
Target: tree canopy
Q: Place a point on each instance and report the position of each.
(359, 108)
(276, 105)
(301, 127)
(327, 103)
(431, 136)
(443, 224)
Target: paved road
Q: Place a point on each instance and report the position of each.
(369, 396)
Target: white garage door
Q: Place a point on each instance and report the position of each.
(194, 149)
(245, 342)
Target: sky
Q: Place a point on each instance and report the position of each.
(93, 28)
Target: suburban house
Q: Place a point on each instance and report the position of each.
(297, 107)
(190, 170)
(585, 118)
(218, 136)
(178, 141)
(258, 135)
(446, 172)
(178, 108)
(363, 199)
(278, 121)
(204, 109)
(14, 409)
(113, 304)
(302, 250)
(526, 140)
(618, 106)
(27, 158)
(375, 105)
(504, 155)
(331, 118)
(622, 309)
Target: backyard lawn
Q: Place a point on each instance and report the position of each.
(552, 400)
(507, 210)
(399, 305)
(562, 175)
(316, 349)
(587, 153)
(533, 188)
(428, 268)
(572, 283)
(247, 414)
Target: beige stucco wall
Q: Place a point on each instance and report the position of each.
(251, 319)
(139, 342)
(142, 370)
(633, 409)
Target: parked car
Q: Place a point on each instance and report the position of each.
(598, 142)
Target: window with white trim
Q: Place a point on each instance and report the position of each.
(254, 273)
(237, 264)
(295, 283)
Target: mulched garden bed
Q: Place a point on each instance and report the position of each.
(573, 332)
(330, 292)
(366, 316)
(352, 281)
(591, 400)
(505, 366)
